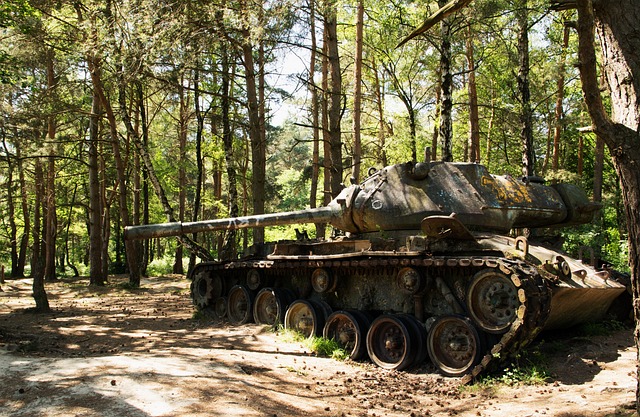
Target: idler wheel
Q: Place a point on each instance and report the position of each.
(307, 317)
(220, 307)
(270, 305)
(239, 305)
(454, 345)
(205, 288)
(493, 302)
(393, 342)
(349, 329)
(322, 281)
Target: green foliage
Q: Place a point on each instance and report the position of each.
(160, 266)
(528, 367)
(318, 345)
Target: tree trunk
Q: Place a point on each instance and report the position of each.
(335, 98)
(37, 260)
(382, 124)
(446, 87)
(50, 193)
(24, 241)
(474, 118)
(229, 247)
(11, 211)
(598, 169)
(315, 119)
(326, 137)
(96, 271)
(616, 24)
(526, 130)
(183, 123)
(437, 116)
(557, 132)
(357, 92)
(199, 163)
(258, 145)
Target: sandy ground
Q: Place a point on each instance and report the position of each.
(117, 352)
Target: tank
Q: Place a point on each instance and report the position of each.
(430, 261)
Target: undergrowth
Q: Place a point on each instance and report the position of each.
(528, 367)
(320, 346)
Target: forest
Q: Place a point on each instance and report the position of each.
(140, 112)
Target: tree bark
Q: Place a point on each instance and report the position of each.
(229, 246)
(37, 260)
(382, 124)
(474, 118)
(326, 137)
(557, 131)
(96, 272)
(11, 211)
(357, 92)
(616, 25)
(446, 88)
(258, 143)
(526, 118)
(183, 124)
(598, 169)
(199, 162)
(315, 119)
(335, 97)
(24, 241)
(51, 220)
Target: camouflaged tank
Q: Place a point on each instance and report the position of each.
(432, 263)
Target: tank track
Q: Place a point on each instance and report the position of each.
(533, 289)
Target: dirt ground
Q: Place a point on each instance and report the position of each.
(117, 352)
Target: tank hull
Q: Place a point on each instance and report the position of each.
(482, 299)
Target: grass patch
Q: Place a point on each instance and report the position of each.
(529, 367)
(317, 345)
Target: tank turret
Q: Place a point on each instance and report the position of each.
(428, 268)
(399, 197)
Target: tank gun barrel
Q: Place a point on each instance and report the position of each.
(316, 215)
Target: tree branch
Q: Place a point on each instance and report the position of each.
(446, 10)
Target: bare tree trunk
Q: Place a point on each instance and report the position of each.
(24, 241)
(557, 132)
(37, 260)
(474, 118)
(357, 92)
(326, 137)
(437, 117)
(526, 130)
(183, 123)
(96, 271)
(199, 162)
(446, 87)
(258, 145)
(229, 247)
(11, 211)
(490, 125)
(50, 193)
(598, 169)
(382, 124)
(315, 119)
(335, 97)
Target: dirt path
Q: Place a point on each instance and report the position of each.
(113, 352)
